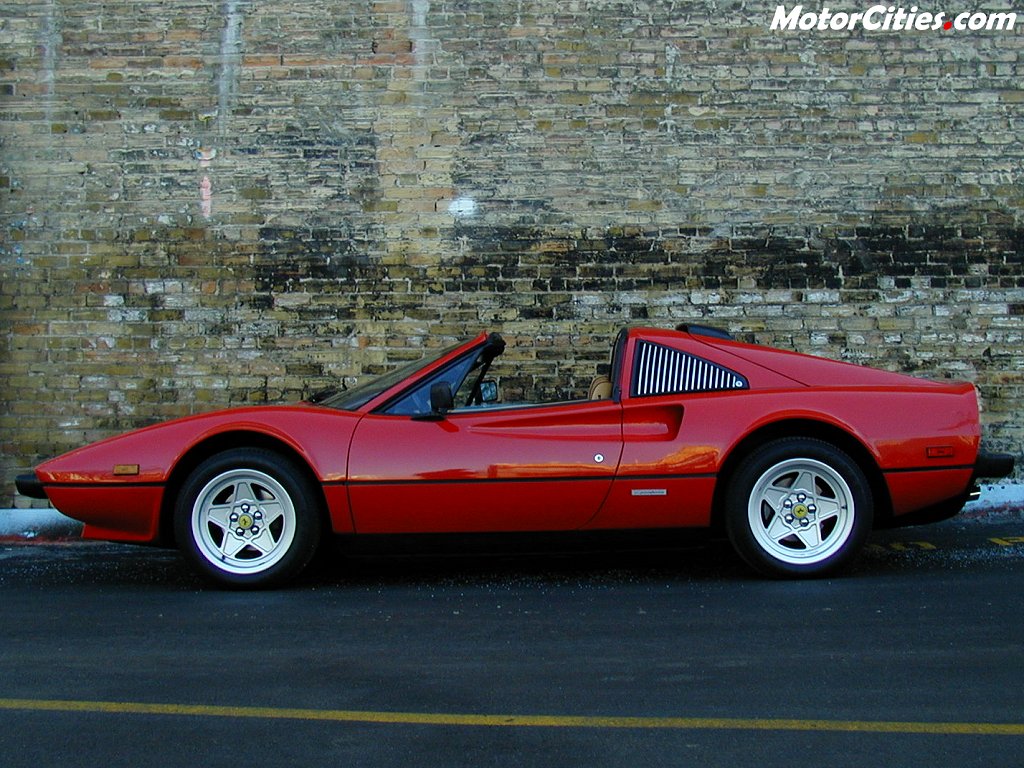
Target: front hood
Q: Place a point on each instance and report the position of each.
(147, 455)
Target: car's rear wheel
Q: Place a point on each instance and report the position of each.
(798, 507)
(248, 517)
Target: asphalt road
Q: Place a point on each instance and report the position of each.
(667, 655)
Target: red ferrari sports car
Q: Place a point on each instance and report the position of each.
(795, 457)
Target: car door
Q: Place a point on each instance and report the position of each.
(673, 400)
(519, 468)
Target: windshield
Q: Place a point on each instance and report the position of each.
(358, 396)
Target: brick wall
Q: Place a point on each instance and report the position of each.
(212, 204)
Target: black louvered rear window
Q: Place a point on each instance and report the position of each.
(663, 371)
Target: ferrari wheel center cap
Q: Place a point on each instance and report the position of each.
(798, 510)
(246, 519)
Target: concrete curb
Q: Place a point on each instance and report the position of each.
(998, 501)
(37, 525)
(26, 525)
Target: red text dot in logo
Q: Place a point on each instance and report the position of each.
(948, 25)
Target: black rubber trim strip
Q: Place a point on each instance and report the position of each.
(957, 467)
(993, 465)
(108, 486)
(481, 480)
(30, 485)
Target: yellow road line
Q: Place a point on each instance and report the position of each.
(514, 721)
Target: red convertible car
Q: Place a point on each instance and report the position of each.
(795, 457)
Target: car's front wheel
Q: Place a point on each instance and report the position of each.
(798, 507)
(248, 517)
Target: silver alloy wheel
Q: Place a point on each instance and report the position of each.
(243, 521)
(801, 511)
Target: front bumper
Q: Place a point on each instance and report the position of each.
(30, 485)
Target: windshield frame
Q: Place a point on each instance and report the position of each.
(360, 396)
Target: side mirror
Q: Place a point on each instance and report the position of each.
(441, 400)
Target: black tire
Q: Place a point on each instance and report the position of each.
(798, 507)
(248, 518)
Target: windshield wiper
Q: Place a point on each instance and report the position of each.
(324, 394)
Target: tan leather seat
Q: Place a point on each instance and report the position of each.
(600, 388)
